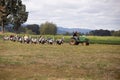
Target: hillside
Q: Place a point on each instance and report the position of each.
(62, 30)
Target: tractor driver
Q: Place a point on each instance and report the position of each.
(75, 35)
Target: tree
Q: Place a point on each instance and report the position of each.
(48, 28)
(12, 12)
(100, 32)
(67, 33)
(28, 31)
(115, 33)
(34, 28)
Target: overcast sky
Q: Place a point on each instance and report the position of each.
(92, 14)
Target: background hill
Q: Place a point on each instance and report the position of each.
(62, 30)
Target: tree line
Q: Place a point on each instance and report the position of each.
(99, 32)
(102, 32)
(47, 28)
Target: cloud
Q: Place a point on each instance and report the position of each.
(93, 14)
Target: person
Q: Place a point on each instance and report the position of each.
(75, 35)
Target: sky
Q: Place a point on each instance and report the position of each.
(89, 14)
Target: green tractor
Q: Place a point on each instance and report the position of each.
(81, 39)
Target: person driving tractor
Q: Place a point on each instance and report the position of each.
(76, 35)
(76, 39)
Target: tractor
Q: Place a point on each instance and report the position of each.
(75, 40)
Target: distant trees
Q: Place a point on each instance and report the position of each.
(34, 28)
(45, 28)
(115, 33)
(29, 29)
(48, 28)
(67, 33)
(100, 32)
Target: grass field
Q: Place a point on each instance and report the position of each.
(92, 39)
(59, 62)
(104, 40)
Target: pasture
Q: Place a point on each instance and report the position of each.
(59, 62)
(112, 40)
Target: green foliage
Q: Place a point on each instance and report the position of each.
(12, 12)
(34, 28)
(104, 33)
(67, 33)
(28, 31)
(116, 33)
(22, 30)
(100, 32)
(104, 40)
(48, 28)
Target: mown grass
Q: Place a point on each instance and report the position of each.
(59, 62)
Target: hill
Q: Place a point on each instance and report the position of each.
(62, 30)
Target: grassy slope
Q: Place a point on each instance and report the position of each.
(53, 62)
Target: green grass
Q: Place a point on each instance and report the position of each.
(93, 39)
(59, 62)
(104, 40)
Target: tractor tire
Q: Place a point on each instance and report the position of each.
(73, 42)
(86, 43)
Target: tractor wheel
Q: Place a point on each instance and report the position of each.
(73, 42)
(85, 43)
